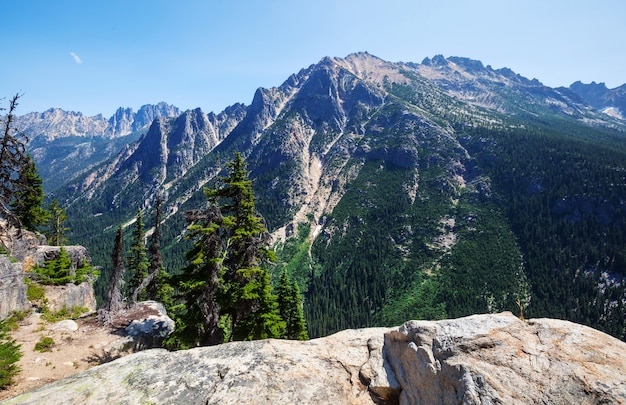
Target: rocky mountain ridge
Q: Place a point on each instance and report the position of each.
(479, 359)
(66, 143)
(56, 123)
(610, 101)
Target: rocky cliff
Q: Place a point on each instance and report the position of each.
(56, 123)
(12, 287)
(481, 359)
(21, 251)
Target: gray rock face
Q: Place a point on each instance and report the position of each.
(499, 359)
(20, 244)
(150, 324)
(12, 288)
(79, 254)
(27, 250)
(482, 359)
(71, 295)
(57, 123)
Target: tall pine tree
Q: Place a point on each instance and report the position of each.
(225, 289)
(245, 296)
(56, 229)
(12, 160)
(199, 313)
(290, 308)
(28, 196)
(137, 261)
(156, 283)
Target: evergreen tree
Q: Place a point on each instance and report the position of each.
(56, 229)
(199, 314)
(9, 356)
(57, 271)
(245, 295)
(290, 308)
(115, 299)
(225, 281)
(262, 320)
(137, 261)
(28, 196)
(154, 251)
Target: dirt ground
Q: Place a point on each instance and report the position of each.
(73, 351)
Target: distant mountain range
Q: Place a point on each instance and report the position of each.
(66, 143)
(610, 101)
(393, 190)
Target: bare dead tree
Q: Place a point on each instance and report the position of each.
(12, 158)
(114, 293)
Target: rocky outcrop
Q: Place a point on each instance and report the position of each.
(490, 359)
(482, 359)
(24, 249)
(79, 254)
(71, 295)
(16, 247)
(12, 287)
(19, 243)
(147, 324)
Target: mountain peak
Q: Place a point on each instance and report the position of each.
(612, 101)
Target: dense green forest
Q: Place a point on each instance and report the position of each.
(563, 192)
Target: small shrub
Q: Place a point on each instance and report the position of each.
(86, 273)
(9, 356)
(59, 271)
(44, 344)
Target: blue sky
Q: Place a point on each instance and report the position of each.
(96, 55)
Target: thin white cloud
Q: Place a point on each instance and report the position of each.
(76, 58)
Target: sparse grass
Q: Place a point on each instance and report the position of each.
(64, 313)
(15, 317)
(44, 344)
(4, 251)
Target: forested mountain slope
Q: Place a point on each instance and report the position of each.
(399, 191)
